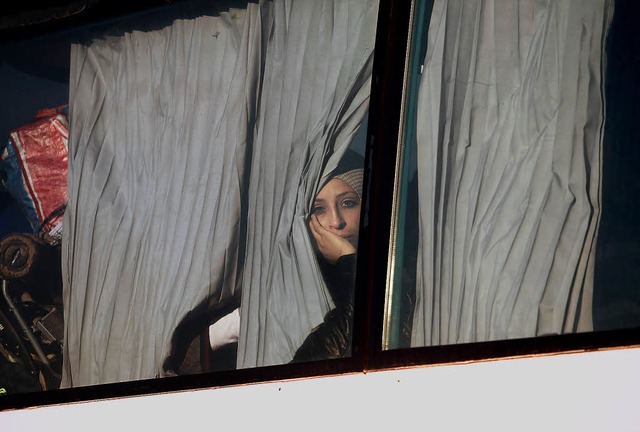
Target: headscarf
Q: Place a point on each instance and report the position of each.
(351, 171)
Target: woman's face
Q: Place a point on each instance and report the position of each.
(337, 207)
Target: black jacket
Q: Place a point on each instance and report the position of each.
(332, 338)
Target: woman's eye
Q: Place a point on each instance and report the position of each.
(348, 203)
(317, 210)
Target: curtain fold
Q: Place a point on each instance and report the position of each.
(509, 136)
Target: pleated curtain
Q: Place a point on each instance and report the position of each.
(509, 139)
(314, 98)
(195, 152)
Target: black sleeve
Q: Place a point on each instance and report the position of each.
(332, 338)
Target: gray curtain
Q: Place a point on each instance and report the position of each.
(315, 95)
(181, 137)
(509, 133)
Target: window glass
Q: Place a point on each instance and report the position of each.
(209, 166)
(516, 214)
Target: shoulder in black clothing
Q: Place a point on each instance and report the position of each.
(332, 338)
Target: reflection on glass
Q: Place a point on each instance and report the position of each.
(517, 221)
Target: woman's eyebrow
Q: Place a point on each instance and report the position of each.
(341, 194)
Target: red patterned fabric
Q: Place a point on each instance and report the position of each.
(42, 153)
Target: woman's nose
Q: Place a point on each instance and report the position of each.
(337, 221)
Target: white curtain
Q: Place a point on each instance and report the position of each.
(181, 139)
(509, 134)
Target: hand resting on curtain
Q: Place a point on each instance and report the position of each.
(334, 225)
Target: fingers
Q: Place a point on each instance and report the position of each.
(315, 227)
(330, 245)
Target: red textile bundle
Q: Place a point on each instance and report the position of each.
(41, 149)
